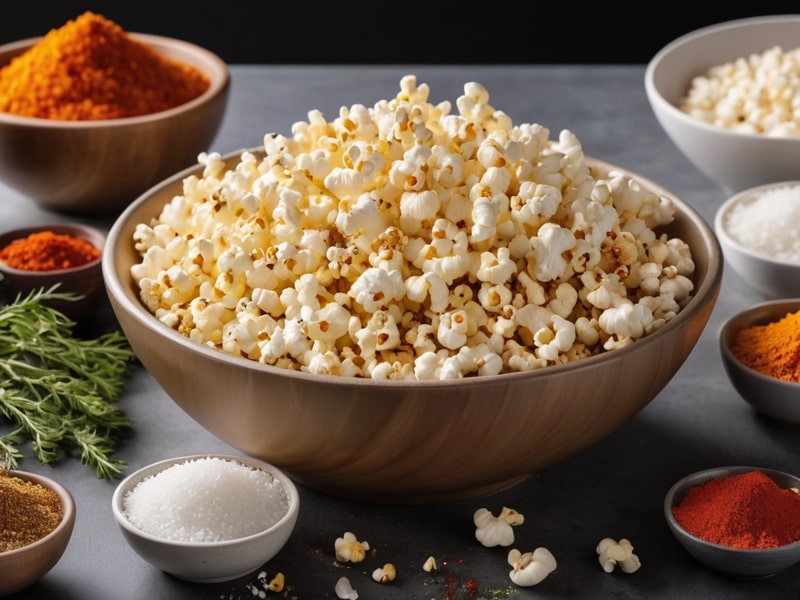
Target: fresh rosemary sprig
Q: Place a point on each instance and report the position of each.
(57, 389)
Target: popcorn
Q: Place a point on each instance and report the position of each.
(406, 241)
(753, 94)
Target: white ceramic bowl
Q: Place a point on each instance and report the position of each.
(22, 567)
(735, 161)
(207, 562)
(84, 281)
(774, 277)
(768, 395)
(742, 563)
(403, 441)
(99, 167)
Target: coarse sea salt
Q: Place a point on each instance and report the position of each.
(208, 499)
(769, 224)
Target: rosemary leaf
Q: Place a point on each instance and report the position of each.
(58, 389)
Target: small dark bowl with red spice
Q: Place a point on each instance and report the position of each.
(66, 255)
(760, 348)
(38, 519)
(740, 520)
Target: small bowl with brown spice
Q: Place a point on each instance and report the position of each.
(66, 255)
(106, 118)
(740, 520)
(759, 348)
(38, 518)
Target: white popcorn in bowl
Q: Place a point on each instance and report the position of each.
(406, 241)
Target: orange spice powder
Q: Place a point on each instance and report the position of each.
(91, 69)
(48, 251)
(772, 349)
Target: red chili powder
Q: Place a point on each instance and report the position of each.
(48, 251)
(747, 510)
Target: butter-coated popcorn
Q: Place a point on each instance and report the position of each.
(408, 241)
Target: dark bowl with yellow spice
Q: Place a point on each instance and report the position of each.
(66, 255)
(142, 108)
(760, 348)
(38, 519)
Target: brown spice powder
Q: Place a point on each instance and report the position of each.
(28, 511)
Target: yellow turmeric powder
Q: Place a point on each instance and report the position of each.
(772, 349)
(90, 69)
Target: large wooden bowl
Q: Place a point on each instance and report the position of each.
(408, 441)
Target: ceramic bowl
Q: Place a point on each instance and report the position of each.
(768, 395)
(22, 567)
(402, 441)
(742, 563)
(751, 257)
(85, 281)
(98, 167)
(735, 161)
(207, 562)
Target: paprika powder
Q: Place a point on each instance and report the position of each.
(772, 349)
(48, 251)
(28, 511)
(746, 511)
(90, 69)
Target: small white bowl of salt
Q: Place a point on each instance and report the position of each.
(759, 232)
(208, 517)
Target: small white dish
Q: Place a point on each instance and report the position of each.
(214, 561)
(774, 277)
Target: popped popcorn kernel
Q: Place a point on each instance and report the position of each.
(412, 240)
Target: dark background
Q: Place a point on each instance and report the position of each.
(399, 32)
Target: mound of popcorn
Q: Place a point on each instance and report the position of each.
(759, 94)
(408, 242)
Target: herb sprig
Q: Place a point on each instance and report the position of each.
(58, 389)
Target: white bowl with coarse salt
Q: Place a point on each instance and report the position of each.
(759, 232)
(207, 518)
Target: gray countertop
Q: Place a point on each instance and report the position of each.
(615, 489)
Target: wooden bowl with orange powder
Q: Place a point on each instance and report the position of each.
(41, 257)
(143, 108)
(760, 349)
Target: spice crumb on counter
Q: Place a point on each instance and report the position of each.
(772, 349)
(28, 511)
(746, 511)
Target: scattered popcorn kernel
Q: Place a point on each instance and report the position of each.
(496, 531)
(277, 583)
(530, 568)
(429, 565)
(349, 549)
(344, 590)
(612, 554)
(384, 574)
